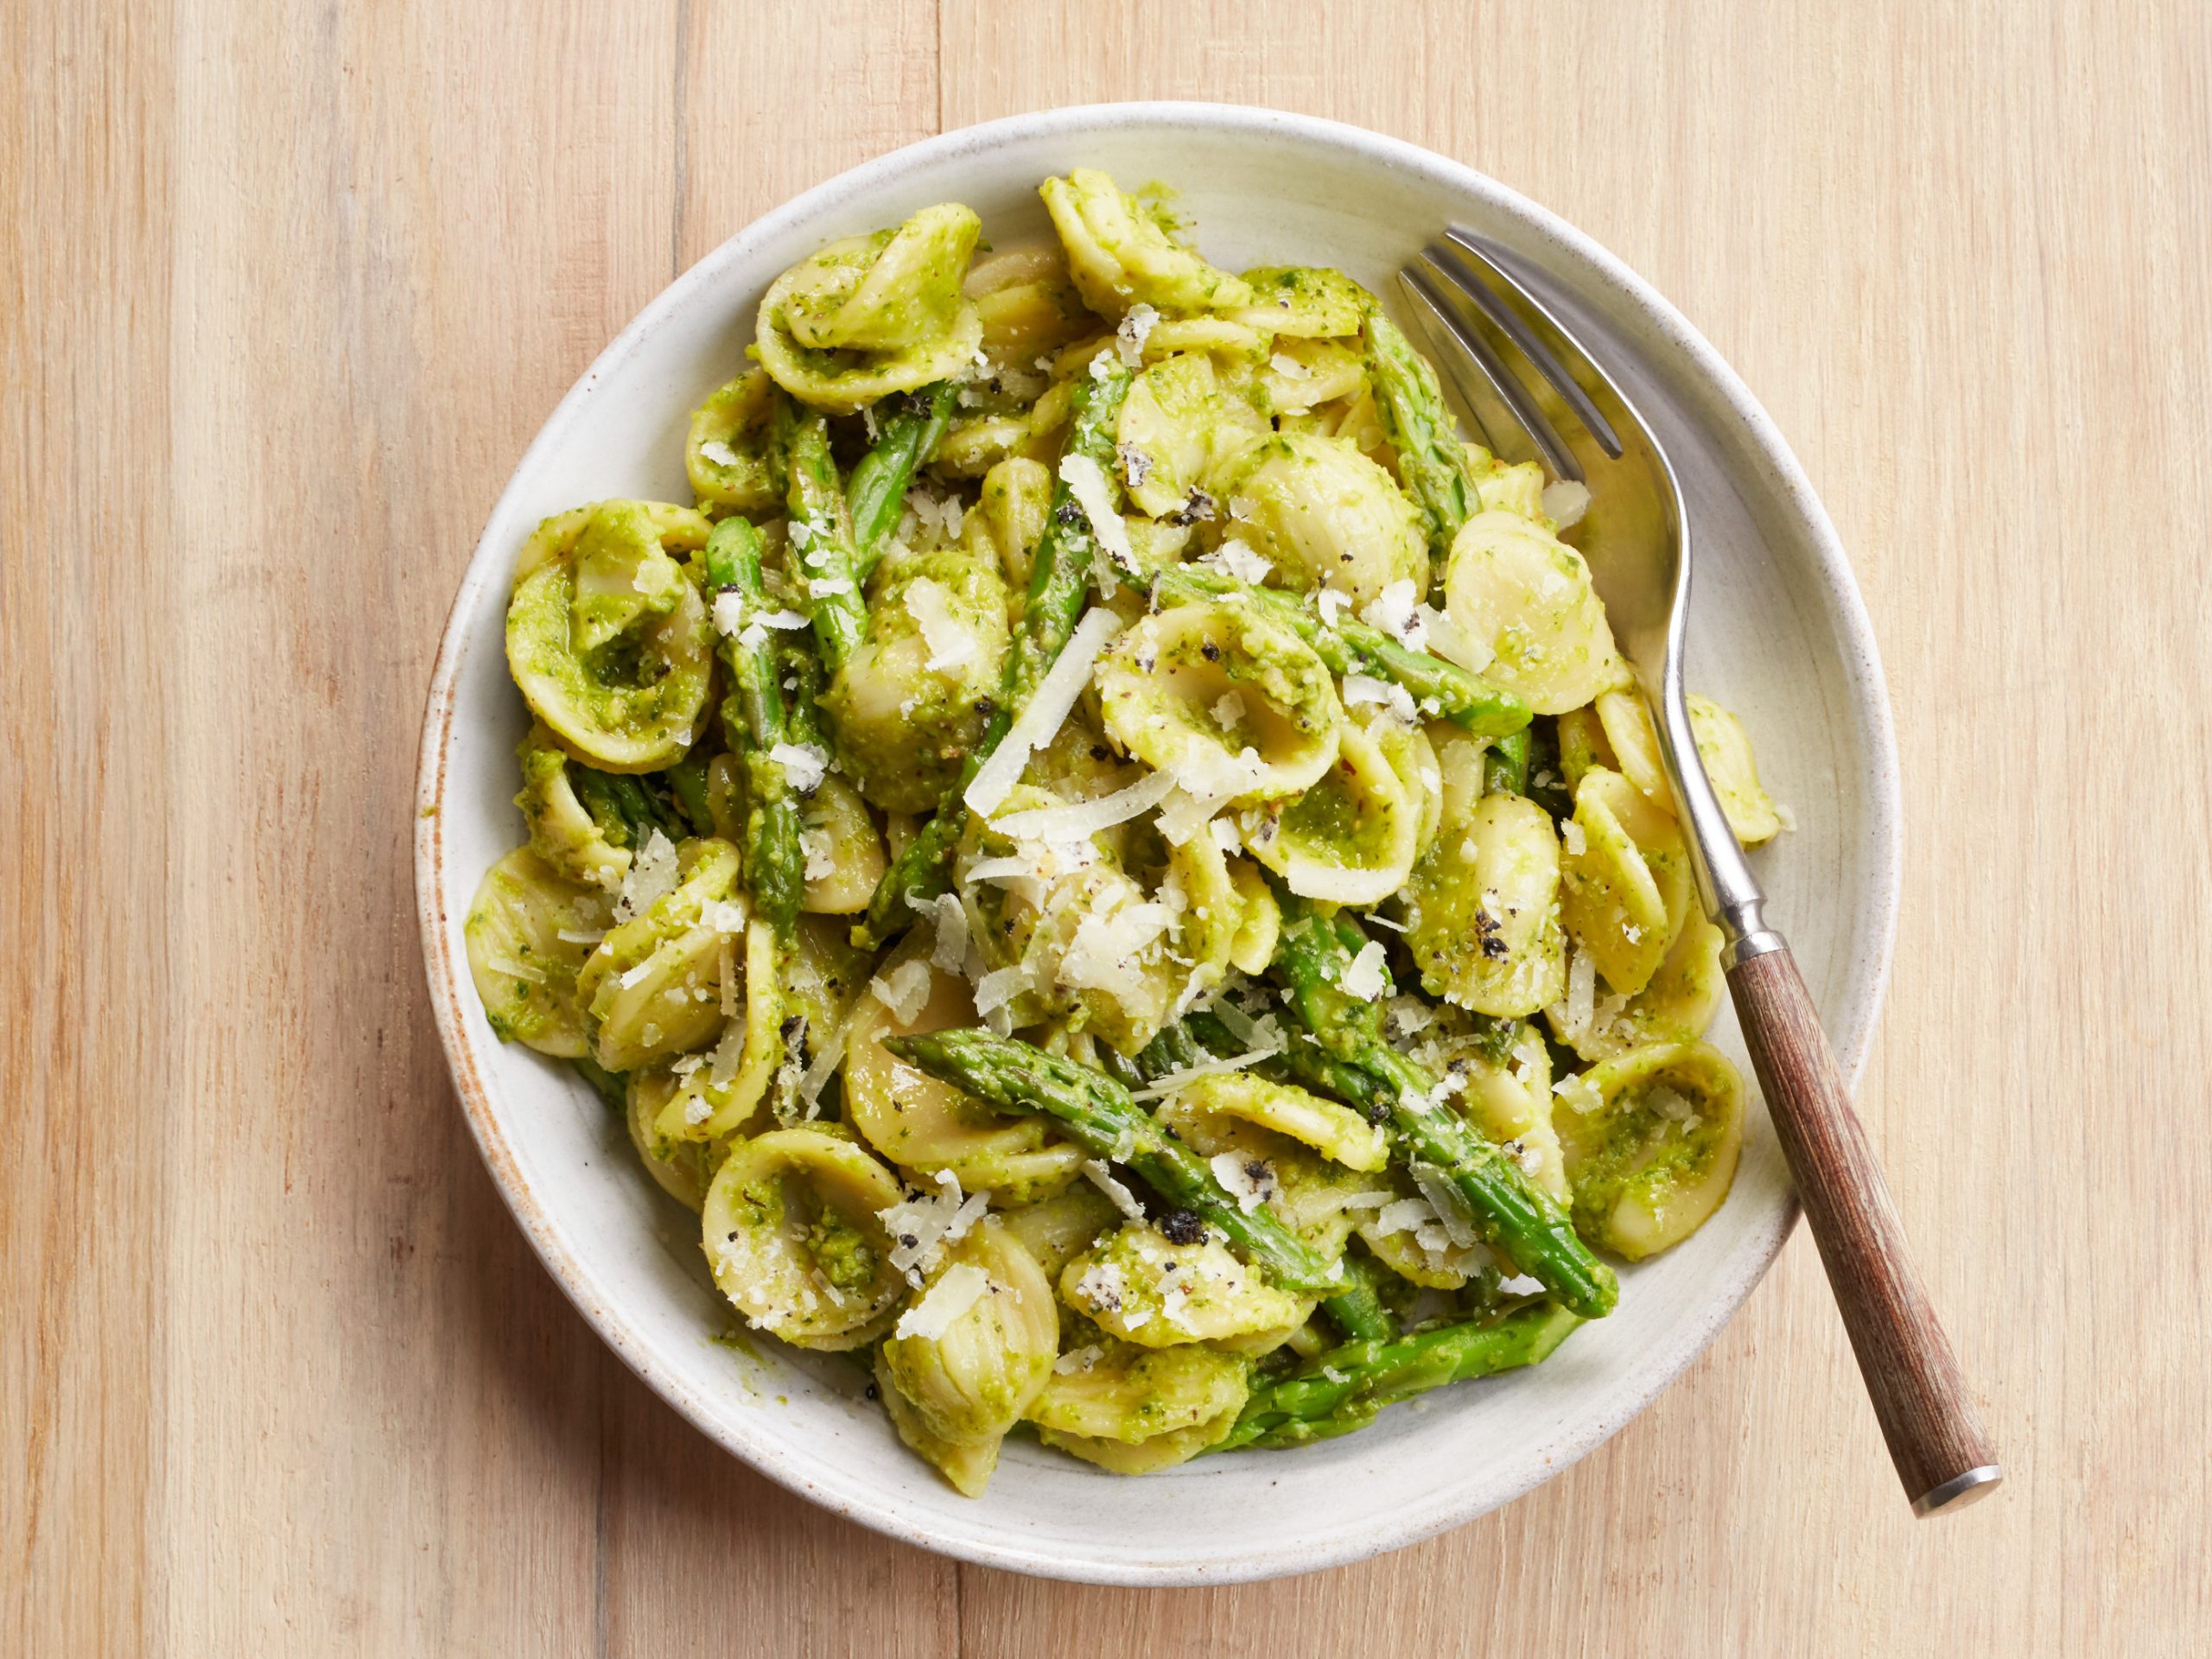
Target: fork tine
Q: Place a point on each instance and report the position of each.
(1479, 276)
(1443, 315)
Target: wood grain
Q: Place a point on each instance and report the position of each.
(284, 290)
(1920, 1399)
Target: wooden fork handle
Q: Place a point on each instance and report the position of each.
(1941, 1452)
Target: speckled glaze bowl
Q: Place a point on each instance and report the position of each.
(1778, 632)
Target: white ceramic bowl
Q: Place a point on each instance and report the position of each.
(1779, 633)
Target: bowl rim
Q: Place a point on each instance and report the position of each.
(1865, 984)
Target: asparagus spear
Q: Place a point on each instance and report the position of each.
(1058, 582)
(1200, 1037)
(1304, 1062)
(1345, 1388)
(621, 803)
(1358, 1310)
(1508, 1212)
(1546, 777)
(905, 440)
(1505, 766)
(802, 688)
(614, 1087)
(1059, 577)
(1421, 429)
(754, 719)
(822, 536)
(1350, 645)
(687, 781)
(1100, 1116)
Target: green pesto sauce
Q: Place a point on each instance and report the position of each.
(842, 1252)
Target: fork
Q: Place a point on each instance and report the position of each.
(1532, 387)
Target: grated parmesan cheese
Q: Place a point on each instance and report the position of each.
(1582, 991)
(1103, 955)
(961, 1287)
(1577, 1093)
(1087, 481)
(904, 990)
(1367, 977)
(1078, 1359)
(942, 518)
(920, 1227)
(1182, 815)
(652, 877)
(1332, 604)
(721, 1071)
(1397, 612)
(1102, 1286)
(1565, 502)
(1080, 820)
(820, 850)
(805, 765)
(1571, 836)
(1169, 1082)
(821, 1069)
(951, 643)
(1103, 1178)
(1251, 1181)
(1361, 689)
(723, 915)
(1436, 1187)
(1135, 329)
(949, 952)
(1000, 986)
(1235, 558)
(731, 616)
(721, 454)
(1049, 705)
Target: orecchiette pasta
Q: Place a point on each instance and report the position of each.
(905, 708)
(1625, 888)
(608, 637)
(1121, 256)
(1223, 700)
(1651, 1138)
(654, 984)
(1144, 1288)
(1324, 516)
(562, 831)
(530, 931)
(1303, 302)
(1350, 838)
(1524, 596)
(792, 1232)
(923, 1125)
(1119, 1391)
(1482, 910)
(1010, 853)
(729, 457)
(971, 1376)
(872, 315)
(1178, 429)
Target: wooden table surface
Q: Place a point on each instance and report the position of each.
(284, 290)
